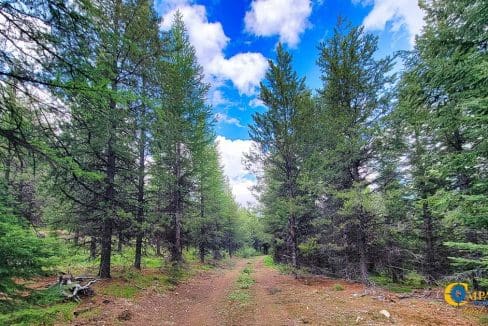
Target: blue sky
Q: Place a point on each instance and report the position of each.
(234, 39)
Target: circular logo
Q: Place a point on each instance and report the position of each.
(456, 294)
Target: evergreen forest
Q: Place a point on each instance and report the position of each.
(109, 165)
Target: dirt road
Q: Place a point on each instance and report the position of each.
(276, 299)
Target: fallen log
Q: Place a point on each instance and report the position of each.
(81, 290)
(73, 291)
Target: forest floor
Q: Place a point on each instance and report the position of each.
(247, 292)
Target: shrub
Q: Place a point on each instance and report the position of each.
(247, 252)
(268, 261)
(414, 279)
(22, 253)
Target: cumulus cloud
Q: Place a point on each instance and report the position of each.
(222, 117)
(241, 181)
(245, 70)
(400, 13)
(286, 18)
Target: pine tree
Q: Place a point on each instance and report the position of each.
(353, 100)
(147, 63)
(99, 134)
(181, 133)
(443, 99)
(278, 133)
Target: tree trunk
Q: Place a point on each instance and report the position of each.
(291, 187)
(106, 248)
(8, 162)
(140, 193)
(158, 246)
(292, 238)
(93, 248)
(229, 249)
(216, 255)
(202, 220)
(178, 205)
(177, 250)
(120, 243)
(456, 143)
(429, 258)
(362, 246)
(202, 253)
(363, 259)
(76, 238)
(107, 226)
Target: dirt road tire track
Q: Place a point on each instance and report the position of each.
(275, 299)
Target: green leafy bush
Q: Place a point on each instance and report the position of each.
(22, 253)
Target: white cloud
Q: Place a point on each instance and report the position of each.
(256, 103)
(400, 13)
(222, 117)
(242, 192)
(286, 18)
(217, 98)
(245, 70)
(240, 179)
(208, 38)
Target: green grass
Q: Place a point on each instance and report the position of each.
(240, 296)
(241, 293)
(135, 281)
(139, 279)
(269, 262)
(58, 313)
(41, 307)
(46, 297)
(411, 281)
(245, 281)
(76, 260)
(47, 306)
(126, 291)
(91, 313)
(337, 287)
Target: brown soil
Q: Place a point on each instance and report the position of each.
(275, 299)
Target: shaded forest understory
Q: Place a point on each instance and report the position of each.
(109, 171)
